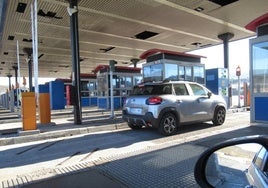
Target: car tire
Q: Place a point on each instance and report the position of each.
(134, 126)
(219, 116)
(168, 124)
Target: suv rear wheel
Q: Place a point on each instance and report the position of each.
(219, 116)
(168, 124)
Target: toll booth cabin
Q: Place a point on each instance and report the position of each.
(124, 78)
(259, 79)
(163, 64)
(88, 90)
(258, 48)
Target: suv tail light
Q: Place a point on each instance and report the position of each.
(154, 100)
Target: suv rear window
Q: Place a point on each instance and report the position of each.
(152, 89)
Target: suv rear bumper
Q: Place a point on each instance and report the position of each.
(144, 120)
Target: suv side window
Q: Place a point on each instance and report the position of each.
(180, 89)
(161, 89)
(198, 90)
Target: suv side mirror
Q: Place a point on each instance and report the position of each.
(209, 94)
(205, 165)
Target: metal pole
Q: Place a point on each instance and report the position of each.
(30, 74)
(239, 105)
(73, 12)
(9, 92)
(35, 49)
(225, 37)
(18, 88)
(111, 93)
(16, 75)
(9, 81)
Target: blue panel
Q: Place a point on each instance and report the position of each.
(93, 101)
(44, 88)
(117, 103)
(57, 100)
(85, 101)
(212, 80)
(102, 103)
(261, 108)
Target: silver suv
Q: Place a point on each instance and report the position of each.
(167, 105)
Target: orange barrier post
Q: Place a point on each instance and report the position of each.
(28, 111)
(44, 108)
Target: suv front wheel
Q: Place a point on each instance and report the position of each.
(219, 116)
(168, 124)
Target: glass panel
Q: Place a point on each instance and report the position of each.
(152, 89)
(128, 82)
(231, 167)
(188, 73)
(142, 90)
(116, 82)
(181, 73)
(171, 71)
(146, 73)
(180, 89)
(260, 67)
(102, 85)
(198, 90)
(92, 88)
(153, 73)
(84, 86)
(259, 158)
(199, 74)
(84, 89)
(137, 80)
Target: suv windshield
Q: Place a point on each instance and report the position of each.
(152, 89)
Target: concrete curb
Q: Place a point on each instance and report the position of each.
(60, 133)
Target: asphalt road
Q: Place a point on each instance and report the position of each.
(141, 158)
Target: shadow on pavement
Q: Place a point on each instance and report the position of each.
(169, 167)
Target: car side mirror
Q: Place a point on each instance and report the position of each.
(209, 94)
(229, 163)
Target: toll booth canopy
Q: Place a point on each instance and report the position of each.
(124, 78)
(163, 64)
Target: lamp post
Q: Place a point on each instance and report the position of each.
(238, 73)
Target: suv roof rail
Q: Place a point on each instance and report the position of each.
(171, 78)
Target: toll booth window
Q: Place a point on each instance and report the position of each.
(128, 82)
(199, 74)
(116, 82)
(84, 89)
(181, 73)
(125, 82)
(137, 80)
(92, 86)
(171, 71)
(102, 86)
(260, 67)
(188, 73)
(153, 73)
